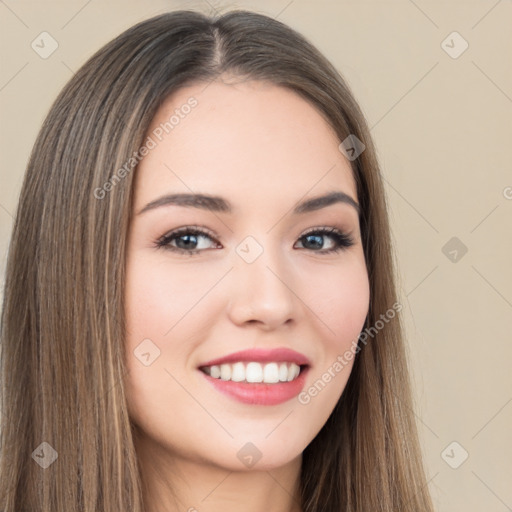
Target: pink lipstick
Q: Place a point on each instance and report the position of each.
(258, 376)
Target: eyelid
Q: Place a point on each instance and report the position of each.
(344, 238)
(195, 229)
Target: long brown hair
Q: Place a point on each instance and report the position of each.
(63, 360)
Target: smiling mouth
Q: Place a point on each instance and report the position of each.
(255, 372)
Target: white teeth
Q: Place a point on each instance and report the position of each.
(283, 372)
(293, 372)
(270, 373)
(238, 372)
(225, 371)
(253, 372)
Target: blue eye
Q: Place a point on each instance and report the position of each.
(187, 240)
(316, 238)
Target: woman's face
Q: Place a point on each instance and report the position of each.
(248, 270)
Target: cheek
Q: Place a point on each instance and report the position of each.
(348, 307)
(161, 321)
(340, 303)
(339, 297)
(158, 297)
(168, 312)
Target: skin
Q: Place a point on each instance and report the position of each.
(263, 148)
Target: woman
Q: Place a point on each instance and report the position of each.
(200, 308)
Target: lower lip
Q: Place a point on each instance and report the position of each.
(259, 393)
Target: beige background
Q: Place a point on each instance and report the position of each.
(443, 129)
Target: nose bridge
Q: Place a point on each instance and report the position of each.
(262, 287)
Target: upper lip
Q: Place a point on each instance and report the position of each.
(260, 355)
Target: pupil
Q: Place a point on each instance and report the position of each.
(188, 239)
(318, 240)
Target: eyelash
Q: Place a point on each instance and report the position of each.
(342, 240)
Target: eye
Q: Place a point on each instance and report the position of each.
(193, 240)
(187, 240)
(316, 238)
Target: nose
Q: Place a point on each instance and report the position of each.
(262, 293)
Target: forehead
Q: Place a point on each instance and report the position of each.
(243, 138)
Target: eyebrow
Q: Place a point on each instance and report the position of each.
(221, 205)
